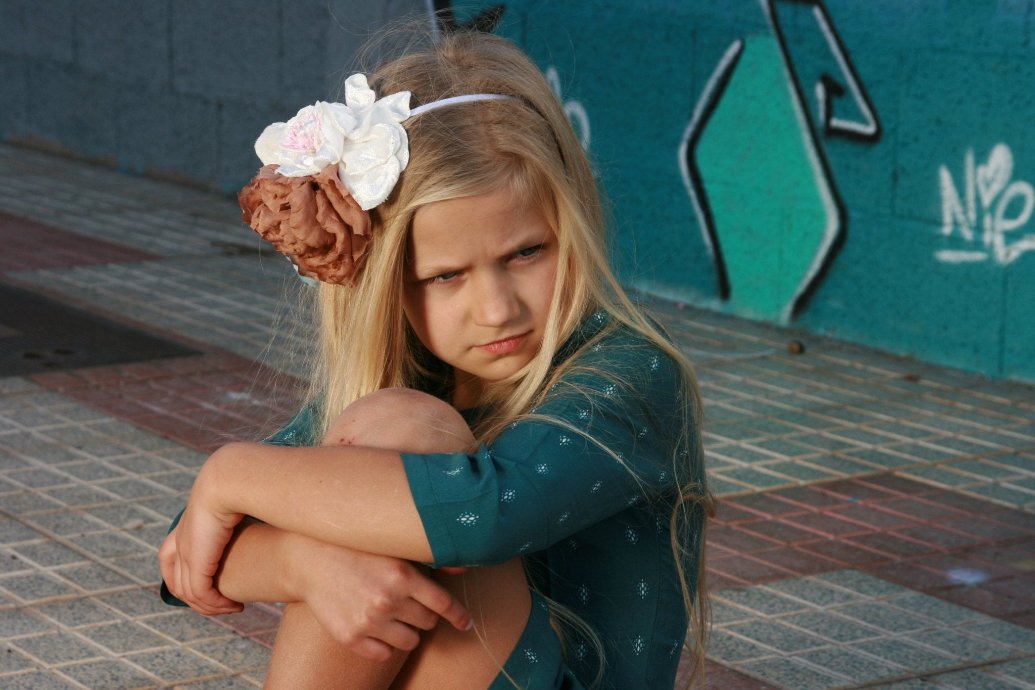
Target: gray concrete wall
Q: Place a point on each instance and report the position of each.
(173, 88)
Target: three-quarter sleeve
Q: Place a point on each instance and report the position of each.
(601, 441)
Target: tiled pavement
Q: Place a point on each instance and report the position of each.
(876, 528)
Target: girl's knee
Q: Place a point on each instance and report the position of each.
(403, 419)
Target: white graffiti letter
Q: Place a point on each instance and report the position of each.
(990, 183)
(573, 109)
(953, 212)
(1005, 253)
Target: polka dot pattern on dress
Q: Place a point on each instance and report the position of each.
(467, 519)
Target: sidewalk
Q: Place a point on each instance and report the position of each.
(876, 527)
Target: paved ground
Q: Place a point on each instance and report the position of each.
(877, 524)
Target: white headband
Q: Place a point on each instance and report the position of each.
(456, 100)
(364, 137)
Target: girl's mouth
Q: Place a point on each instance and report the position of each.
(505, 346)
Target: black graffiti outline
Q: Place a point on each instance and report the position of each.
(829, 89)
(692, 178)
(827, 86)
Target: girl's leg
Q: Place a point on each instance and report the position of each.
(500, 603)
(305, 656)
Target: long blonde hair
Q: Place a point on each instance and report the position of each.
(524, 143)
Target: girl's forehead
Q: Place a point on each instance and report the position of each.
(498, 210)
(479, 223)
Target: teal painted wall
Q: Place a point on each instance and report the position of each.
(859, 169)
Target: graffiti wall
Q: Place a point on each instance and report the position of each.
(859, 169)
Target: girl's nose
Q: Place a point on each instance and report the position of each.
(495, 301)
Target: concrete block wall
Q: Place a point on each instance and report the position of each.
(859, 169)
(174, 88)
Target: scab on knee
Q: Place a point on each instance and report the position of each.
(402, 419)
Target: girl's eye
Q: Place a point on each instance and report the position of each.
(528, 252)
(442, 278)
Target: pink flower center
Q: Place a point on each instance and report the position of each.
(303, 133)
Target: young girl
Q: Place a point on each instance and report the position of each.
(487, 400)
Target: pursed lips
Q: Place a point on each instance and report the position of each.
(504, 345)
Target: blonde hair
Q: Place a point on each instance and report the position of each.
(524, 143)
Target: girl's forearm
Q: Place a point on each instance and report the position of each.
(344, 495)
(257, 565)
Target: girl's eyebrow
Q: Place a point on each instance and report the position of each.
(524, 238)
(430, 270)
(521, 240)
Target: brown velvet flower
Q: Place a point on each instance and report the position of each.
(312, 219)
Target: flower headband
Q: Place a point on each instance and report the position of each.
(324, 169)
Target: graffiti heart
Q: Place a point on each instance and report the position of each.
(1005, 207)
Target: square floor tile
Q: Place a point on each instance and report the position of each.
(57, 648)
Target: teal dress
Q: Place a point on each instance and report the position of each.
(583, 490)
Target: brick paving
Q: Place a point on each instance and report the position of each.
(201, 402)
(877, 518)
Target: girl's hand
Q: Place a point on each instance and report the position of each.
(190, 555)
(173, 575)
(371, 604)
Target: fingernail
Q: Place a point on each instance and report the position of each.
(470, 625)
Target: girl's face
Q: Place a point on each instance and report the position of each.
(479, 281)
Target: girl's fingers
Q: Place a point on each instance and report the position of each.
(372, 649)
(207, 600)
(417, 615)
(452, 570)
(437, 598)
(178, 580)
(399, 636)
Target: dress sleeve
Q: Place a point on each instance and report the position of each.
(602, 441)
(300, 431)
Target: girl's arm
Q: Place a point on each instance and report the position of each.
(369, 603)
(342, 495)
(544, 480)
